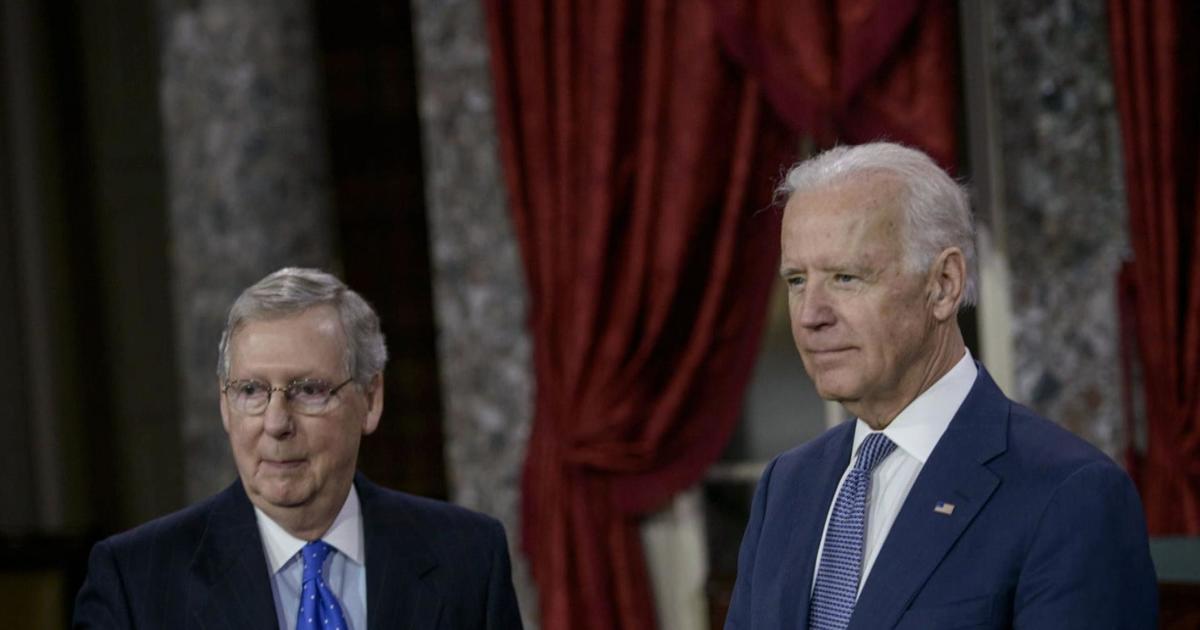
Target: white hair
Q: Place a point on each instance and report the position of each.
(936, 208)
(292, 290)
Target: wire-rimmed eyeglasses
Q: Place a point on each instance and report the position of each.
(308, 396)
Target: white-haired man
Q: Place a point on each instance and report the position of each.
(301, 541)
(945, 504)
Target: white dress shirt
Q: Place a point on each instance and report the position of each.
(915, 431)
(345, 569)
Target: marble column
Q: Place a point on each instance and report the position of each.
(1065, 211)
(479, 291)
(247, 182)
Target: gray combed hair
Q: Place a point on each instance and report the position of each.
(937, 209)
(292, 290)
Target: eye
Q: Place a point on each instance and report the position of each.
(796, 281)
(844, 278)
(249, 389)
(309, 389)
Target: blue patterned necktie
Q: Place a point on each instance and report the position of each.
(836, 587)
(319, 609)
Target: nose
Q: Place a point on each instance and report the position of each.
(277, 419)
(812, 310)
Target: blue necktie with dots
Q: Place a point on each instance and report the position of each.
(319, 609)
(836, 587)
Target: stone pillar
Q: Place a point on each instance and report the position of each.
(478, 281)
(1065, 212)
(247, 183)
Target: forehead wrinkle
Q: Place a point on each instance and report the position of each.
(849, 225)
(867, 237)
(271, 350)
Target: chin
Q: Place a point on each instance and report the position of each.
(285, 500)
(836, 392)
(283, 494)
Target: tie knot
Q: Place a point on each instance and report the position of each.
(872, 451)
(314, 554)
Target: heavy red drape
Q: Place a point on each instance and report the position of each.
(1156, 67)
(854, 70)
(638, 161)
(636, 155)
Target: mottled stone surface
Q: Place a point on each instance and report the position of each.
(247, 183)
(1065, 214)
(479, 291)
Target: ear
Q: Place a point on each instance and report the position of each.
(374, 394)
(947, 281)
(224, 406)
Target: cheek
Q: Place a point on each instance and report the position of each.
(901, 337)
(338, 442)
(350, 441)
(797, 332)
(793, 314)
(241, 435)
(244, 448)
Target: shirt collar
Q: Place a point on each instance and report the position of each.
(345, 535)
(921, 424)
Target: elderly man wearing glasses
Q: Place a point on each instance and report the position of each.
(301, 540)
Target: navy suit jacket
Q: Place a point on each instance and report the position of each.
(429, 565)
(1047, 532)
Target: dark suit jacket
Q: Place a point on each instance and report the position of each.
(429, 565)
(1047, 532)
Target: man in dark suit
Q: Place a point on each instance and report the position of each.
(944, 504)
(300, 540)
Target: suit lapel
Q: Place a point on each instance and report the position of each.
(230, 586)
(920, 537)
(807, 511)
(400, 593)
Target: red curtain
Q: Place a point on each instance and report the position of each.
(854, 70)
(639, 164)
(638, 159)
(1156, 67)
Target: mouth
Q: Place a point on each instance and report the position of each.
(826, 357)
(824, 352)
(283, 465)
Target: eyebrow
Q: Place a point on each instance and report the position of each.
(859, 269)
(289, 381)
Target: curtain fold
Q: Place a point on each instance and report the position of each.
(641, 142)
(854, 71)
(1156, 68)
(639, 164)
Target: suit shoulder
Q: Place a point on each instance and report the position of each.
(433, 509)
(437, 519)
(187, 524)
(469, 549)
(1049, 451)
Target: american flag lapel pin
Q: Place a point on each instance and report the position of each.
(944, 508)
